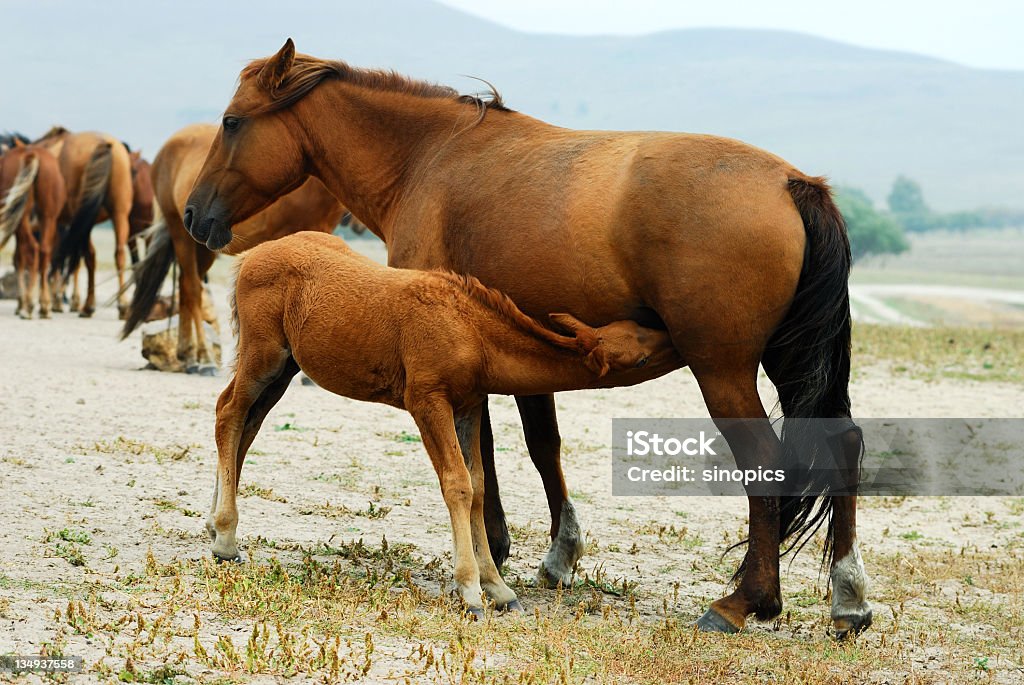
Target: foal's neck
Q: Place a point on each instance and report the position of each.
(368, 146)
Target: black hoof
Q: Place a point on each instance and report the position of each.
(713, 622)
(208, 370)
(475, 613)
(192, 369)
(237, 559)
(86, 313)
(515, 606)
(848, 625)
(306, 380)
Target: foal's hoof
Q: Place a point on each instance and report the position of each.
(237, 559)
(850, 625)
(306, 380)
(208, 370)
(475, 613)
(86, 313)
(549, 578)
(714, 622)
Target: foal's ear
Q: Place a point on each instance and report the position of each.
(278, 66)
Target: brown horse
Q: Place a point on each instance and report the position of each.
(97, 171)
(174, 170)
(31, 185)
(433, 343)
(741, 257)
(141, 215)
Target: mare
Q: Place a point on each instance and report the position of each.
(743, 258)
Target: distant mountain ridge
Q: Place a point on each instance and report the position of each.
(859, 115)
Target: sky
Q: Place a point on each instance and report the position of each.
(980, 33)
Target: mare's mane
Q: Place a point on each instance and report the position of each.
(308, 72)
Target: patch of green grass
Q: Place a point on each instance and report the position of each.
(943, 352)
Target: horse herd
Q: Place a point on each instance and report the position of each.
(676, 249)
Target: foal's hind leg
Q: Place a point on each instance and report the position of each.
(467, 427)
(260, 381)
(90, 293)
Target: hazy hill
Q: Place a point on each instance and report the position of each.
(141, 70)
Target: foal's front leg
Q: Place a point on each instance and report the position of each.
(467, 428)
(436, 421)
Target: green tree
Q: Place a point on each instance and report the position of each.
(906, 197)
(871, 232)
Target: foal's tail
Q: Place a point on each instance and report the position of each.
(148, 275)
(95, 180)
(13, 208)
(808, 359)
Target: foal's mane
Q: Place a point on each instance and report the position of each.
(54, 132)
(308, 72)
(502, 305)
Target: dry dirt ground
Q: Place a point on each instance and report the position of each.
(107, 475)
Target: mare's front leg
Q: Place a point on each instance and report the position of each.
(467, 428)
(540, 427)
(262, 377)
(435, 419)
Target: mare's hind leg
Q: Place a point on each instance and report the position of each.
(90, 294)
(264, 370)
(732, 395)
(851, 612)
(467, 428)
(27, 250)
(436, 422)
(540, 428)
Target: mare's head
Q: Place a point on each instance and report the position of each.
(619, 346)
(255, 157)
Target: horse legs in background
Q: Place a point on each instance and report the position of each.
(27, 259)
(89, 308)
(121, 231)
(47, 243)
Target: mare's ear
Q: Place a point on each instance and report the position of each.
(278, 66)
(18, 143)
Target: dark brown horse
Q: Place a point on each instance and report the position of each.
(175, 169)
(741, 257)
(141, 215)
(31, 186)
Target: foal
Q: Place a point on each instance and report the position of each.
(433, 343)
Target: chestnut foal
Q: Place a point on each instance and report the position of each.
(433, 343)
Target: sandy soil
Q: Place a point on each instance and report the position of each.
(91, 442)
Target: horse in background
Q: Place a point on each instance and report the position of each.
(174, 170)
(9, 138)
(31, 187)
(433, 343)
(97, 172)
(141, 215)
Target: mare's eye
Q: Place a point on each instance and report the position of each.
(643, 362)
(231, 123)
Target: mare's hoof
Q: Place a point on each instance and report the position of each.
(849, 625)
(714, 622)
(86, 313)
(475, 613)
(208, 370)
(237, 559)
(515, 606)
(547, 578)
(306, 380)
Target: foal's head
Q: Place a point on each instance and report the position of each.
(620, 345)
